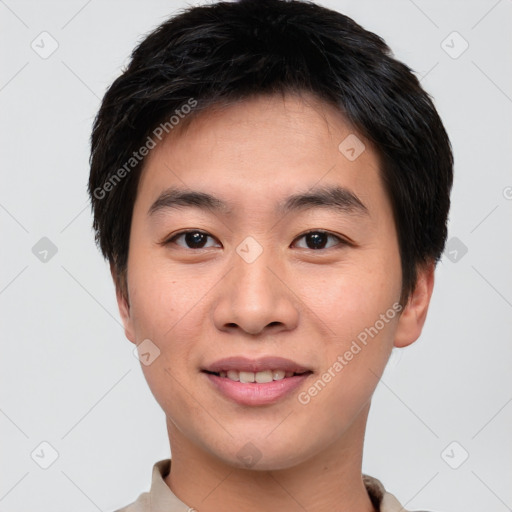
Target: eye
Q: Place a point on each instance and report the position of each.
(319, 240)
(192, 239)
(196, 239)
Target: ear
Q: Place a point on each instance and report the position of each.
(123, 306)
(414, 314)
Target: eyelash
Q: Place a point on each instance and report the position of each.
(340, 241)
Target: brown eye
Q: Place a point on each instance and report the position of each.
(192, 239)
(315, 240)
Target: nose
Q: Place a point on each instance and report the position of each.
(255, 298)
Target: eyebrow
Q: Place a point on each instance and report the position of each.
(329, 197)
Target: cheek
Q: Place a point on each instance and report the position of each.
(354, 361)
(158, 310)
(159, 297)
(163, 314)
(167, 306)
(352, 297)
(359, 309)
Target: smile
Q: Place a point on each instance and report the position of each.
(255, 377)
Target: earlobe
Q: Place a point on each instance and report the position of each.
(414, 314)
(123, 306)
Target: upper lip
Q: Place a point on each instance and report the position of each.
(245, 364)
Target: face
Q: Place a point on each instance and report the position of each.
(263, 247)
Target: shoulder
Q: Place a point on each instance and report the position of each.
(383, 500)
(141, 504)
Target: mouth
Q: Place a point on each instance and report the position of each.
(254, 382)
(261, 377)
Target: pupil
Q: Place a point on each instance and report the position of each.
(318, 240)
(195, 239)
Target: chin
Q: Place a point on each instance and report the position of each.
(261, 455)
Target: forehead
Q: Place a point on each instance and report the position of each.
(262, 149)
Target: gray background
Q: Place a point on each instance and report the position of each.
(68, 375)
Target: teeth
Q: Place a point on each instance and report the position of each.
(246, 377)
(232, 375)
(258, 377)
(262, 377)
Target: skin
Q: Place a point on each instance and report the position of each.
(308, 305)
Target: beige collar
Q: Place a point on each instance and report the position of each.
(161, 499)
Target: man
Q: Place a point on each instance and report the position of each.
(271, 189)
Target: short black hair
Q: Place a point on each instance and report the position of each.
(229, 51)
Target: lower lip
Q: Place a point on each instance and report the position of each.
(253, 393)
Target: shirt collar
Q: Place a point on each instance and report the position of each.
(162, 499)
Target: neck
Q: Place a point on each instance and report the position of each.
(330, 480)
